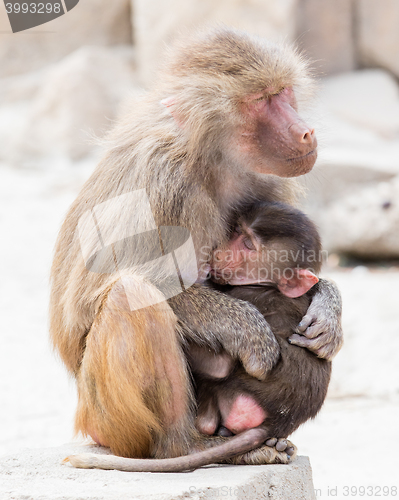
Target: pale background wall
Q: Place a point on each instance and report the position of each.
(63, 82)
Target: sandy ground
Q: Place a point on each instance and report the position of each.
(352, 443)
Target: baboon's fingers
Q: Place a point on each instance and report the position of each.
(324, 345)
(281, 445)
(306, 321)
(300, 340)
(315, 329)
(322, 323)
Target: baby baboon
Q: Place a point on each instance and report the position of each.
(266, 263)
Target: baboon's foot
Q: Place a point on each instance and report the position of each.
(274, 451)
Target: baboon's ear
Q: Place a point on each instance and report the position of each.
(300, 283)
(170, 105)
(168, 102)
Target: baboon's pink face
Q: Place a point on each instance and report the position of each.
(244, 260)
(273, 139)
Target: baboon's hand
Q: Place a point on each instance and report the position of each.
(320, 330)
(255, 345)
(216, 320)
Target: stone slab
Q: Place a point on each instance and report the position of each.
(38, 474)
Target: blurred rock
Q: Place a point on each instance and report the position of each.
(59, 109)
(41, 475)
(91, 22)
(325, 33)
(366, 98)
(365, 224)
(378, 34)
(21, 87)
(359, 136)
(158, 22)
(332, 180)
